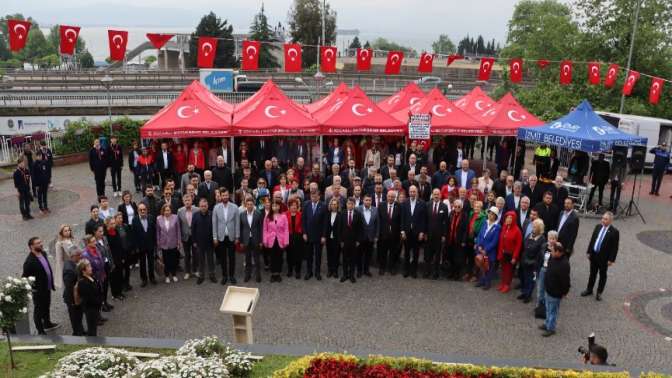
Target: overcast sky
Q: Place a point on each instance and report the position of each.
(414, 22)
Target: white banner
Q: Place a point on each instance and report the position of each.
(26, 125)
(419, 126)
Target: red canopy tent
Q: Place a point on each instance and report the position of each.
(406, 97)
(447, 119)
(475, 102)
(507, 116)
(341, 91)
(356, 114)
(200, 91)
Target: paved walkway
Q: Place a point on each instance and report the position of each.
(391, 313)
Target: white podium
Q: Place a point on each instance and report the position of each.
(240, 303)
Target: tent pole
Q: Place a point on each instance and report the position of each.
(233, 158)
(320, 154)
(485, 153)
(585, 196)
(515, 156)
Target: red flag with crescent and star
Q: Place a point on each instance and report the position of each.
(292, 57)
(516, 70)
(118, 40)
(656, 88)
(426, 62)
(207, 50)
(393, 64)
(18, 34)
(453, 57)
(630, 81)
(364, 59)
(250, 61)
(159, 40)
(69, 36)
(594, 73)
(566, 72)
(612, 75)
(485, 69)
(328, 58)
(543, 63)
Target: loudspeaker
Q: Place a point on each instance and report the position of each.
(619, 156)
(637, 158)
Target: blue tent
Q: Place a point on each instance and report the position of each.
(582, 130)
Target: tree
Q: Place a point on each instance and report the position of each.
(86, 59)
(443, 45)
(4, 50)
(305, 27)
(149, 60)
(385, 45)
(355, 44)
(36, 46)
(212, 26)
(367, 45)
(261, 31)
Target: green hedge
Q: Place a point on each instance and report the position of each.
(78, 136)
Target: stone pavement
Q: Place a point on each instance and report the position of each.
(393, 314)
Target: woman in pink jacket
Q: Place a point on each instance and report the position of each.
(276, 238)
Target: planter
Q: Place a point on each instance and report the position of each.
(69, 159)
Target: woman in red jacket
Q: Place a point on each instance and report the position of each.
(508, 250)
(180, 158)
(295, 247)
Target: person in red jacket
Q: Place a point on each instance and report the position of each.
(180, 160)
(197, 158)
(508, 250)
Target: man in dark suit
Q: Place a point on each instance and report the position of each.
(70, 278)
(335, 154)
(207, 189)
(116, 163)
(351, 232)
(568, 226)
(22, 185)
(221, 174)
(533, 190)
(599, 176)
(559, 197)
(201, 234)
(436, 234)
(411, 166)
(385, 170)
(389, 215)
(413, 230)
(336, 171)
(98, 162)
(164, 163)
(456, 241)
(440, 177)
(513, 199)
(602, 251)
(269, 174)
(369, 235)
(410, 181)
(144, 231)
(548, 212)
(297, 150)
(523, 212)
(313, 220)
(37, 266)
(261, 151)
(251, 225)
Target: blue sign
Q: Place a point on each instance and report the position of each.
(217, 81)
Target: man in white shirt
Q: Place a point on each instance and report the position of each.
(464, 175)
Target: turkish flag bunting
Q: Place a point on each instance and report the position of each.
(393, 65)
(250, 61)
(485, 69)
(612, 75)
(630, 81)
(426, 60)
(18, 34)
(656, 88)
(566, 72)
(364, 59)
(207, 50)
(516, 70)
(159, 40)
(454, 57)
(594, 73)
(328, 58)
(292, 57)
(118, 40)
(69, 36)
(543, 63)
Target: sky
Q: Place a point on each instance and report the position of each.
(410, 22)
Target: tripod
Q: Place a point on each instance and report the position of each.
(632, 205)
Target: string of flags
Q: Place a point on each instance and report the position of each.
(207, 50)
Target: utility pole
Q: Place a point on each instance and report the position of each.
(632, 47)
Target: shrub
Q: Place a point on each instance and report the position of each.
(78, 136)
(95, 363)
(237, 363)
(182, 367)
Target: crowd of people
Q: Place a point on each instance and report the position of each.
(379, 208)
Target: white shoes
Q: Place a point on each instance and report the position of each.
(186, 276)
(167, 280)
(174, 278)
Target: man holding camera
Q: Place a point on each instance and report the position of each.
(660, 162)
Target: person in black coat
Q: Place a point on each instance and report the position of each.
(201, 234)
(599, 176)
(48, 157)
(369, 235)
(116, 163)
(602, 251)
(389, 216)
(207, 189)
(221, 174)
(456, 240)
(70, 278)
(94, 221)
(568, 226)
(144, 231)
(91, 298)
(437, 221)
(556, 284)
(37, 266)
(133, 166)
(548, 212)
(332, 235)
(165, 163)
(350, 231)
(98, 163)
(41, 179)
(533, 191)
(413, 230)
(313, 216)
(22, 184)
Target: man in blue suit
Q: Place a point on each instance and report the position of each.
(335, 155)
(464, 175)
(513, 199)
(313, 221)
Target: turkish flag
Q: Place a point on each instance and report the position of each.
(612, 75)
(426, 60)
(207, 50)
(630, 81)
(453, 57)
(594, 73)
(159, 40)
(18, 34)
(393, 65)
(250, 61)
(364, 59)
(543, 63)
(69, 36)
(118, 40)
(516, 70)
(485, 69)
(656, 88)
(566, 72)
(328, 58)
(292, 57)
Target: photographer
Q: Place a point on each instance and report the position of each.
(595, 354)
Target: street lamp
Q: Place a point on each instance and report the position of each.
(107, 83)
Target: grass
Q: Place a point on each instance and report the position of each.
(33, 364)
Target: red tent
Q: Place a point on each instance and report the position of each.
(475, 102)
(270, 112)
(200, 91)
(507, 116)
(356, 114)
(406, 97)
(338, 92)
(447, 119)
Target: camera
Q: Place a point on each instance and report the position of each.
(586, 351)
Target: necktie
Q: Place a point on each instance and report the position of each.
(314, 207)
(349, 218)
(600, 238)
(389, 211)
(436, 207)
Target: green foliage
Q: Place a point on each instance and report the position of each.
(86, 59)
(367, 45)
(14, 296)
(149, 60)
(11, 63)
(384, 44)
(79, 135)
(36, 46)
(49, 61)
(469, 46)
(260, 30)
(443, 45)
(355, 44)
(305, 25)
(213, 26)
